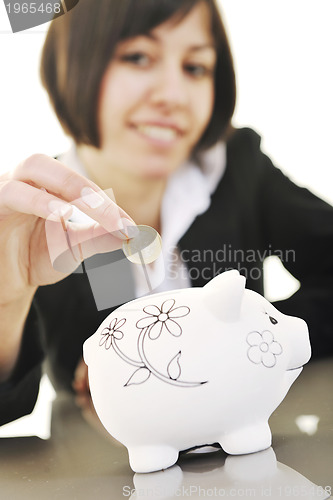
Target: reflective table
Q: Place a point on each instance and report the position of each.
(81, 461)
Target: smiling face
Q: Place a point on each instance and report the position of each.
(157, 96)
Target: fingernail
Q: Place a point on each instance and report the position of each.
(127, 229)
(91, 198)
(60, 209)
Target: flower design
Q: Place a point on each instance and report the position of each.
(263, 348)
(163, 318)
(150, 326)
(111, 332)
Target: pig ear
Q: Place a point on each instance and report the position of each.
(223, 295)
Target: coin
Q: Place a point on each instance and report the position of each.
(144, 247)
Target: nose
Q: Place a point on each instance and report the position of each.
(300, 349)
(170, 89)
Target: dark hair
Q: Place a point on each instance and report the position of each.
(80, 44)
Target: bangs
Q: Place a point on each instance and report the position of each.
(156, 12)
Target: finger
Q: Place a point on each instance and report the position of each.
(72, 187)
(89, 240)
(69, 244)
(60, 251)
(17, 196)
(63, 242)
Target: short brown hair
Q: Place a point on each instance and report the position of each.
(80, 45)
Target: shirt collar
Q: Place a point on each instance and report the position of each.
(188, 193)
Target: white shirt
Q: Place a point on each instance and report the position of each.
(187, 195)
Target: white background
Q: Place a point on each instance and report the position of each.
(283, 59)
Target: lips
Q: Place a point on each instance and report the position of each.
(160, 132)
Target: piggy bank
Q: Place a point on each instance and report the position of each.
(193, 367)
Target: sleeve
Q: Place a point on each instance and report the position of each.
(18, 395)
(298, 228)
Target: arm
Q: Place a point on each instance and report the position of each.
(12, 321)
(34, 236)
(295, 219)
(18, 394)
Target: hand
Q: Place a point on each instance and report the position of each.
(42, 188)
(80, 382)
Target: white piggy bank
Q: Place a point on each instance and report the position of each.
(192, 367)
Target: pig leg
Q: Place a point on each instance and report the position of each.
(249, 439)
(152, 458)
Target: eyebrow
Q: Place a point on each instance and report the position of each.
(196, 48)
(192, 48)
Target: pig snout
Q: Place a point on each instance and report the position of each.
(300, 348)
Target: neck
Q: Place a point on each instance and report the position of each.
(140, 197)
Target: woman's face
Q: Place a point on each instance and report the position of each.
(157, 96)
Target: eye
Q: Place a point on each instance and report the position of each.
(197, 70)
(137, 58)
(273, 320)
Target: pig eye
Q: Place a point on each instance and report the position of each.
(273, 320)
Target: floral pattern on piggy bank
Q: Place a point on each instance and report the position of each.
(192, 367)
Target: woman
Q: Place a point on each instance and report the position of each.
(147, 91)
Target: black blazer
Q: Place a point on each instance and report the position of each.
(255, 211)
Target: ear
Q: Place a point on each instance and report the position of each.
(223, 295)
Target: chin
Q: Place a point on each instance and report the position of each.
(155, 174)
(158, 169)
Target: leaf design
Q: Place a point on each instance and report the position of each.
(173, 368)
(140, 376)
